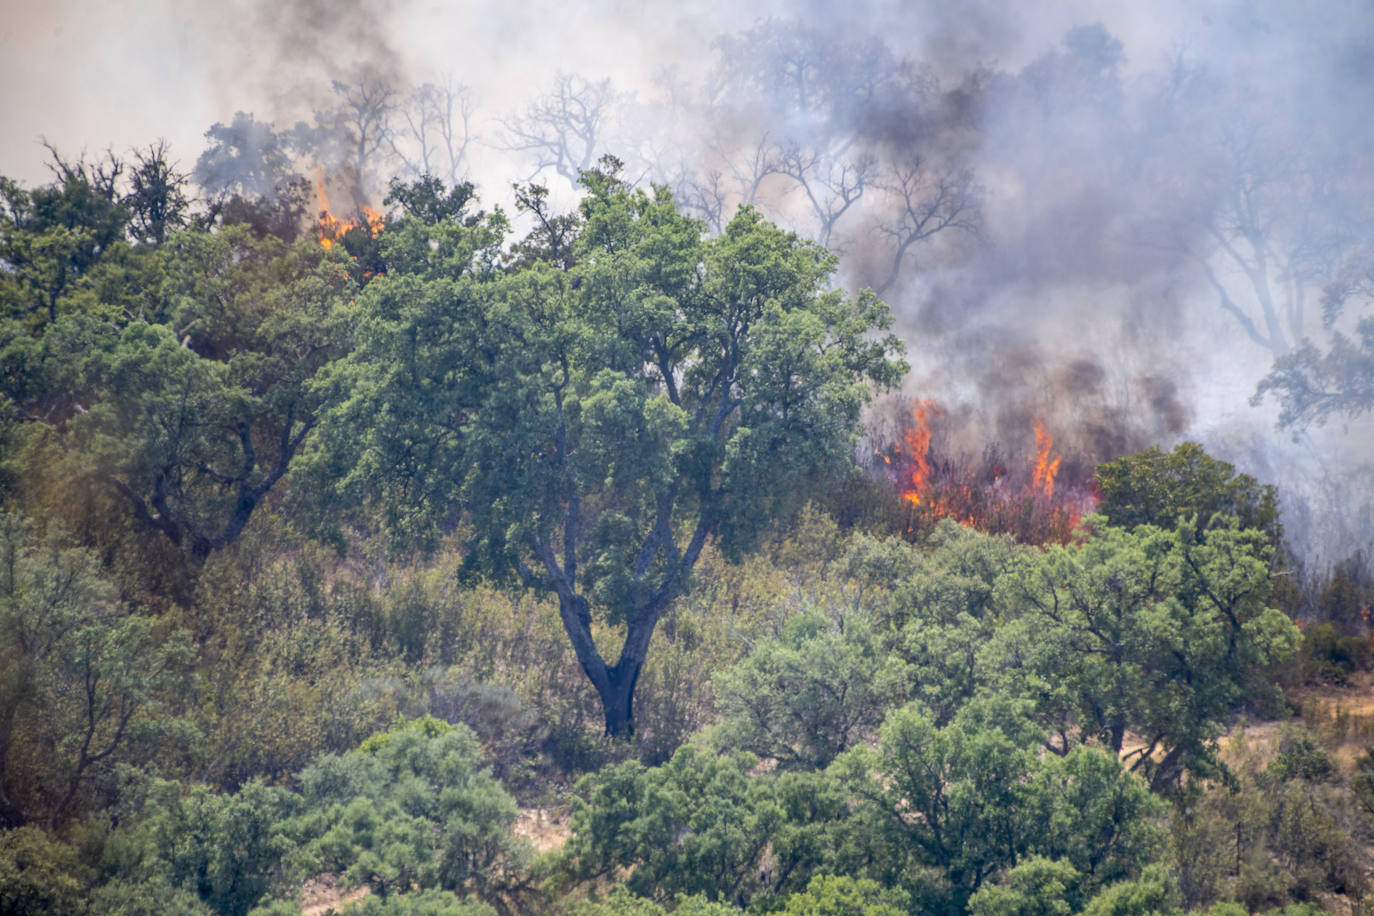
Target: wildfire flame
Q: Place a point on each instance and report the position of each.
(917, 439)
(331, 228)
(1042, 479)
(996, 496)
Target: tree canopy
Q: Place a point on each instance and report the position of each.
(597, 416)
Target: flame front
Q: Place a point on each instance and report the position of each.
(994, 496)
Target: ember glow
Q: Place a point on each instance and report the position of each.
(1024, 498)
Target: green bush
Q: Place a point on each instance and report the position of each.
(1330, 656)
(40, 874)
(696, 825)
(831, 895)
(227, 849)
(410, 808)
(1035, 887)
(620, 902)
(803, 697)
(428, 902)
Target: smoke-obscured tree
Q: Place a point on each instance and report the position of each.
(566, 129)
(832, 176)
(924, 200)
(597, 422)
(246, 156)
(838, 134)
(1282, 210)
(350, 140)
(1275, 214)
(1264, 265)
(438, 131)
(1042, 130)
(1312, 386)
(248, 174)
(808, 94)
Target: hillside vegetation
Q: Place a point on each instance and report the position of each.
(325, 570)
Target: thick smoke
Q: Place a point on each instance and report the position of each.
(1110, 217)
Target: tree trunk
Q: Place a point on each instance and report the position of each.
(615, 684)
(10, 814)
(617, 697)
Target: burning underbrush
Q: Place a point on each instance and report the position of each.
(1024, 489)
(357, 235)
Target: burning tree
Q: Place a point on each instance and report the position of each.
(598, 415)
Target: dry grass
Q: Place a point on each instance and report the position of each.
(547, 829)
(1342, 716)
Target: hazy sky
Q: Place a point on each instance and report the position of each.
(87, 74)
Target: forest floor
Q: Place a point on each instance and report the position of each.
(547, 829)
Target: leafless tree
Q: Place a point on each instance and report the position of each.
(832, 173)
(565, 129)
(927, 201)
(750, 166)
(364, 119)
(438, 130)
(1270, 211)
(704, 195)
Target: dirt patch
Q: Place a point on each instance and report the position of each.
(324, 893)
(547, 829)
(1341, 718)
(1252, 741)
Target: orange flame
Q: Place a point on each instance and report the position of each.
(991, 496)
(331, 228)
(1042, 479)
(918, 451)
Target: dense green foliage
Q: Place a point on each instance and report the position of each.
(1155, 488)
(596, 413)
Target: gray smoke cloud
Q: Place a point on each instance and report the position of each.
(1109, 216)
